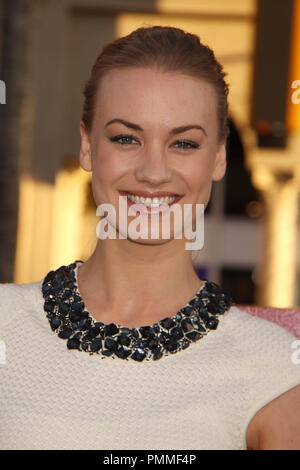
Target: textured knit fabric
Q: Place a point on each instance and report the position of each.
(288, 318)
(202, 397)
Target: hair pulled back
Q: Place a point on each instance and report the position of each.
(168, 49)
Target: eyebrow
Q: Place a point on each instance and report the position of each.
(176, 130)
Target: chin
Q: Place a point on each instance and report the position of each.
(150, 242)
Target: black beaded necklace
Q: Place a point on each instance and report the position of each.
(70, 320)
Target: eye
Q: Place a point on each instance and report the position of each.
(190, 144)
(124, 137)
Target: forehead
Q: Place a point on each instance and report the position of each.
(147, 93)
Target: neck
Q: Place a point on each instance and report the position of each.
(132, 284)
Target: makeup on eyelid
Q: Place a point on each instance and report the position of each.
(127, 136)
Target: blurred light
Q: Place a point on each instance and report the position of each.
(263, 127)
(254, 209)
(293, 110)
(278, 129)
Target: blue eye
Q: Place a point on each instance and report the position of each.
(122, 136)
(126, 139)
(191, 144)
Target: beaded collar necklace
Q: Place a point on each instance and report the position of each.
(68, 317)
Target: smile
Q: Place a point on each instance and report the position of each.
(150, 201)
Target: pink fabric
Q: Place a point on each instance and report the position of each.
(288, 318)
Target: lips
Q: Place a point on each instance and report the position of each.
(149, 194)
(157, 207)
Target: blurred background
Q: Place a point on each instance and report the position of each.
(47, 213)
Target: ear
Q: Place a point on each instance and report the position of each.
(220, 163)
(85, 158)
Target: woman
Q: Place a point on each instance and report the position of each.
(183, 367)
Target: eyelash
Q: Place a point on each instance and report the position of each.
(122, 136)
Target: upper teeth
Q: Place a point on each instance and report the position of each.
(151, 202)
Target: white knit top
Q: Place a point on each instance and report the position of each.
(202, 397)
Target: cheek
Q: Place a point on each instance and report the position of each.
(106, 168)
(104, 173)
(200, 173)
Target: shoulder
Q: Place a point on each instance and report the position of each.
(287, 318)
(270, 348)
(268, 342)
(16, 299)
(254, 329)
(274, 370)
(276, 426)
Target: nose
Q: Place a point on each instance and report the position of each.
(153, 167)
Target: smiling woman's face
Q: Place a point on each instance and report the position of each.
(148, 152)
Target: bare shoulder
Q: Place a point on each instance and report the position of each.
(276, 426)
